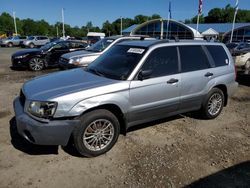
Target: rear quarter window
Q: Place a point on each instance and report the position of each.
(219, 55)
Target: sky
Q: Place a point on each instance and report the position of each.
(79, 12)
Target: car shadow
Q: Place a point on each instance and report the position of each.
(23, 145)
(235, 176)
(243, 80)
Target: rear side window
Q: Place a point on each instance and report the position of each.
(219, 55)
(193, 58)
(162, 61)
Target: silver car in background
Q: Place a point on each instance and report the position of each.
(133, 82)
(85, 57)
(13, 41)
(36, 41)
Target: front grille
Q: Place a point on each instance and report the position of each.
(22, 98)
(63, 60)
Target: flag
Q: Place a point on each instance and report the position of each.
(200, 7)
(169, 10)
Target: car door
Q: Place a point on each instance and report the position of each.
(158, 95)
(56, 51)
(196, 73)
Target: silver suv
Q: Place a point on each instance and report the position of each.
(34, 41)
(13, 41)
(132, 83)
(85, 57)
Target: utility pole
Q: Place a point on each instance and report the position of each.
(235, 14)
(14, 17)
(56, 31)
(121, 25)
(63, 31)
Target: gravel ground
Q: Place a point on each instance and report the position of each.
(175, 152)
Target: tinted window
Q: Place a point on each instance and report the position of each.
(218, 54)
(78, 45)
(118, 62)
(193, 58)
(162, 62)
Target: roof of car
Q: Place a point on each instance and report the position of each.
(148, 43)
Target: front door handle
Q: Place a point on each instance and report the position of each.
(172, 81)
(208, 74)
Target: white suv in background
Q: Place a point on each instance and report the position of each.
(34, 41)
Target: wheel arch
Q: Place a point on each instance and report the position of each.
(223, 88)
(116, 110)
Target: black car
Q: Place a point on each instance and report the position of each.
(46, 56)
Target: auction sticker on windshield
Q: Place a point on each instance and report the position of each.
(136, 50)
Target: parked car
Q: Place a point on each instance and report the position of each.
(47, 55)
(239, 48)
(35, 41)
(13, 41)
(242, 62)
(134, 82)
(85, 57)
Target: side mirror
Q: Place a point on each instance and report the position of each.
(144, 74)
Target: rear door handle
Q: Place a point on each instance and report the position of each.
(172, 81)
(208, 74)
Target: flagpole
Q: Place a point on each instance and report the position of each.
(197, 24)
(63, 23)
(235, 14)
(121, 25)
(169, 12)
(14, 17)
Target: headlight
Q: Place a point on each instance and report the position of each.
(75, 61)
(21, 56)
(42, 109)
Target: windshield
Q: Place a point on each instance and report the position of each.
(100, 45)
(118, 62)
(47, 46)
(31, 38)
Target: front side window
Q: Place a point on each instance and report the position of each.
(218, 54)
(100, 45)
(162, 62)
(193, 58)
(118, 62)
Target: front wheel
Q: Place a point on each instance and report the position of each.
(10, 44)
(213, 104)
(36, 64)
(97, 133)
(31, 45)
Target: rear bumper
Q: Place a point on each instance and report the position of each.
(232, 88)
(54, 132)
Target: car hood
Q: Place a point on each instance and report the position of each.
(55, 85)
(80, 53)
(28, 51)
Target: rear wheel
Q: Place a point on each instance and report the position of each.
(31, 45)
(97, 133)
(213, 104)
(36, 64)
(10, 44)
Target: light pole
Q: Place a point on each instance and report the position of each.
(63, 31)
(14, 17)
(121, 25)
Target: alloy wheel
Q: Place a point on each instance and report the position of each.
(98, 135)
(214, 104)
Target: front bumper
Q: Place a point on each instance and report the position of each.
(54, 132)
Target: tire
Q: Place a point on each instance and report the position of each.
(213, 104)
(91, 132)
(36, 64)
(10, 44)
(31, 45)
(247, 67)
